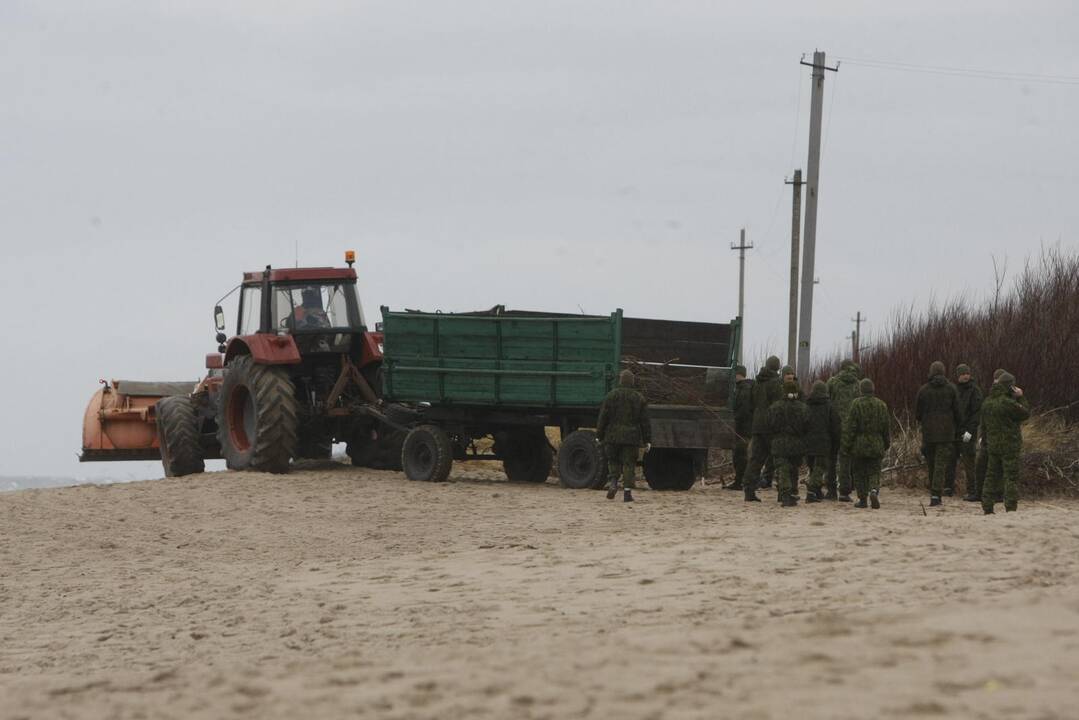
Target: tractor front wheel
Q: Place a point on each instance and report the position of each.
(178, 435)
(257, 417)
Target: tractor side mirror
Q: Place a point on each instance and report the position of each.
(219, 317)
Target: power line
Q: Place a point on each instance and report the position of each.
(963, 72)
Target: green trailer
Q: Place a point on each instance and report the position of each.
(508, 375)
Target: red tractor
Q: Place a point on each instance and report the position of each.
(301, 372)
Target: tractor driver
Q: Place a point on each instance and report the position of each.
(310, 314)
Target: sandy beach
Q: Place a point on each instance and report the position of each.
(335, 592)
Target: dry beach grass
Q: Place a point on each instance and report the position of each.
(336, 592)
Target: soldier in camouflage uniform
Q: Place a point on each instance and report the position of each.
(742, 405)
(766, 390)
(866, 437)
(981, 464)
(937, 411)
(1002, 415)
(842, 389)
(623, 428)
(822, 436)
(788, 420)
(970, 413)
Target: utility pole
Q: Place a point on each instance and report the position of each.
(857, 320)
(796, 223)
(816, 109)
(741, 247)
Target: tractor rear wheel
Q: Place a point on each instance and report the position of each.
(427, 454)
(526, 454)
(581, 461)
(257, 417)
(178, 435)
(669, 469)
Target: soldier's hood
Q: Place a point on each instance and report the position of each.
(848, 376)
(818, 395)
(938, 380)
(766, 374)
(999, 390)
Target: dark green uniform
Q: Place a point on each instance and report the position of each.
(842, 389)
(937, 411)
(766, 390)
(822, 437)
(788, 420)
(1002, 416)
(623, 427)
(742, 405)
(970, 414)
(866, 437)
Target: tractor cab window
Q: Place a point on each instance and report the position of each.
(251, 310)
(313, 307)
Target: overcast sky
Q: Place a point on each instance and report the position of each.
(545, 155)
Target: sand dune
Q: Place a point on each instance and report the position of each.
(335, 592)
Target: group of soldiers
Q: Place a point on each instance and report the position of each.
(842, 431)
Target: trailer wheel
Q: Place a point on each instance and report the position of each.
(257, 417)
(581, 461)
(526, 454)
(427, 454)
(669, 469)
(178, 435)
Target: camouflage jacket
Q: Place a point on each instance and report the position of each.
(970, 408)
(843, 389)
(1002, 414)
(867, 429)
(825, 426)
(787, 421)
(766, 390)
(937, 410)
(742, 406)
(623, 418)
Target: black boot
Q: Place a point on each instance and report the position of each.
(736, 485)
(845, 497)
(874, 499)
(751, 496)
(788, 500)
(764, 484)
(861, 502)
(812, 497)
(934, 501)
(831, 494)
(971, 497)
(627, 496)
(949, 492)
(987, 510)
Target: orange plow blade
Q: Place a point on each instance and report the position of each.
(119, 423)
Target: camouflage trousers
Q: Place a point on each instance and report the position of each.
(819, 469)
(937, 458)
(760, 458)
(621, 463)
(981, 466)
(866, 473)
(787, 467)
(964, 454)
(1002, 478)
(741, 460)
(837, 476)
